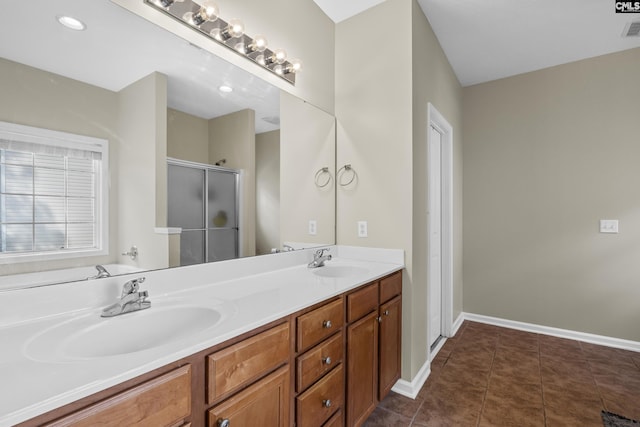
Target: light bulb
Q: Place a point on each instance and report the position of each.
(235, 28)
(295, 65)
(260, 60)
(278, 69)
(208, 12)
(259, 44)
(216, 33)
(240, 48)
(279, 56)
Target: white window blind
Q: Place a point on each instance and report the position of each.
(51, 193)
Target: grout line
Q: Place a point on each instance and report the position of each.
(486, 390)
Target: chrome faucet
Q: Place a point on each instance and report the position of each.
(319, 258)
(102, 273)
(130, 300)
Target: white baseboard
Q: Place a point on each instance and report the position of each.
(556, 332)
(411, 389)
(457, 324)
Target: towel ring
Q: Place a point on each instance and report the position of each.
(318, 177)
(346, 168)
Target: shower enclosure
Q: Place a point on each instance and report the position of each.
(203, 202)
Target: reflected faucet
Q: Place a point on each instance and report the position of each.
(102, 273)
(130, 300)
(319, 258)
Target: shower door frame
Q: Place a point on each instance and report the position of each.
(207, 167)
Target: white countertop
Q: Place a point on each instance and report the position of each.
(248, 292)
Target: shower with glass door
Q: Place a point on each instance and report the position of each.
(203, 201)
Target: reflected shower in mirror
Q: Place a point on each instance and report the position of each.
(155, 97)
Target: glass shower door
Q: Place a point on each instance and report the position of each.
(222, 215)
(186, 210)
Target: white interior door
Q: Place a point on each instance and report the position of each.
(435, 234)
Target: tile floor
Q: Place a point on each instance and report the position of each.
(492, 376)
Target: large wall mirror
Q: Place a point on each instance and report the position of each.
(160, 103)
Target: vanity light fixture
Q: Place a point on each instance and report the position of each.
(203, 16)
(71, 22)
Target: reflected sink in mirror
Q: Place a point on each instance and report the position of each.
(339, 271)
(90, 336)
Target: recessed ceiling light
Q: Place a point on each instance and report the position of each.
(225, 89)
(71, 22)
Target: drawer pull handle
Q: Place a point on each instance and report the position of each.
(326, 360)
(386, 312)
(224, 422)
(326, 403)
(326, 324)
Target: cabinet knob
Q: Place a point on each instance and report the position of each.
(326, 324)
(386, 312)
(224, 422)
(326, 403)
(379, 319)
(326, 360)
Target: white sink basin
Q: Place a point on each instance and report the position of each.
(338, 271)
(90, 336)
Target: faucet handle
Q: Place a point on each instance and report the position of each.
(132, 286)
(320, 252)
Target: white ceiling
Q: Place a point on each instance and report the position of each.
(486, 40)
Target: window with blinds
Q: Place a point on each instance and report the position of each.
(52, 194)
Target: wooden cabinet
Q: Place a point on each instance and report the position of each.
(389, 345)
(319, 367)
(234, 367)
(373, 345)
(324, 366)
(162, 401)
(265, 404)
(362, 371)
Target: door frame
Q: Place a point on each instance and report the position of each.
(437, 120)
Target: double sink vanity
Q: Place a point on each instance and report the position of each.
(259, 341)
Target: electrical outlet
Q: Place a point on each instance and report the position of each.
(608, 225)
(313, 227)
(362, 229)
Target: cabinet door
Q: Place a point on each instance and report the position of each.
(162, 401)
(390, 339)
(265, 404)
(362, 371)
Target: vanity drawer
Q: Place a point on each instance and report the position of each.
(319, 360)
(241, 364)
(316, 405)
(318, 324)
(362, 302)
(390, 286)
(336, 421)
(162, 401)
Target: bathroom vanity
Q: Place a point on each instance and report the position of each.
(279, 344)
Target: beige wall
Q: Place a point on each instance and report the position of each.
(433, 82)
(142, 127)
(307, 144)
(233, 137)
(33, 97)
(187, 137)
(267, 191)
(310, 37)
(546, 156)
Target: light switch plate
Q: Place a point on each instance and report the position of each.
(313, 227)
(362, 229)
(608, 225)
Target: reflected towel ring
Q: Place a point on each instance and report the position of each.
(318, 177)
(346, 168)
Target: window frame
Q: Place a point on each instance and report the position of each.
(30, 134)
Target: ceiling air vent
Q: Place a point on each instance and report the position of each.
(632, 29)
